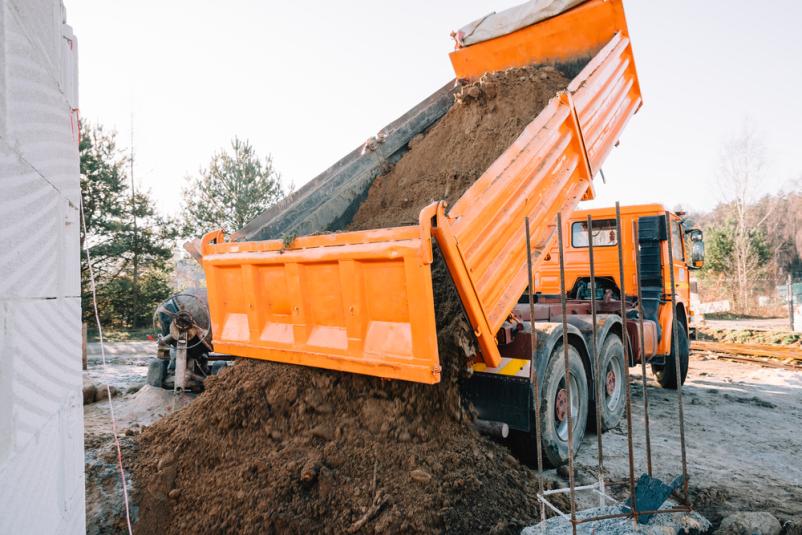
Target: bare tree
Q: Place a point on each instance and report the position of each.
(741, 174)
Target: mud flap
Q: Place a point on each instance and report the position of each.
(500, 398)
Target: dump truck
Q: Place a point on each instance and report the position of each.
(293, 287)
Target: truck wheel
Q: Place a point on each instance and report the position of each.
(554, 405)
(667, 374)
(613, 398)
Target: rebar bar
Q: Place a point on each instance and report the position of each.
(677, 358)
(625, 339)
(567, 362)
(533, 377)
(642, 345)
(596, 359)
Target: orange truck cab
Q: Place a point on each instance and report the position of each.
(643, 231)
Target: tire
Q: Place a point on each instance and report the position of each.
(554, 431)
(613, 387)
(667, 374)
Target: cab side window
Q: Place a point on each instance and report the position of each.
(676, 242)
(604, 233)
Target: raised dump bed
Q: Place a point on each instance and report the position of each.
(363, 301)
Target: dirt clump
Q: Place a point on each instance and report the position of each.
(272, 448)
(442, 163)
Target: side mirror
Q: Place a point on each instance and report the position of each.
(697, 248)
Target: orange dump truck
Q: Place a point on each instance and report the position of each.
(287, 288)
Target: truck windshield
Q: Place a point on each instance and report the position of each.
(604, 233)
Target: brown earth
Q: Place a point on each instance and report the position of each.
(442, 163)
(271, 448)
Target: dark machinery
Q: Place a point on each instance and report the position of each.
(184, 356)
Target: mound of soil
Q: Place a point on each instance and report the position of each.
(443, 162)
(271, 448)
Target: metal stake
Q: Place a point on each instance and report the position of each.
(596, 362)
(677, 366)
(626, 362)
(533, 377)
(567, 374)
(790, 298)
(180, 381)
(636, 247)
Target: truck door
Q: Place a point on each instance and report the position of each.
(681, 276)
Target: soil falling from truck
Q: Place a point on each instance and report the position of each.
(273, 448)
(444, 161)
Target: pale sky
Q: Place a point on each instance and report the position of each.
(308, 81)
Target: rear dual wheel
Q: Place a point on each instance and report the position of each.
(556, 403)
(613, 395)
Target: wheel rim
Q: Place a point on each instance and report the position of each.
(613, 383)
(561, 408)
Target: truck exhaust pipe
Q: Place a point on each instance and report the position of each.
(491, 428)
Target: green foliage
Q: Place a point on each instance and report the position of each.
(129, 242)
(720, 247)
(235, 187)
(122, 304)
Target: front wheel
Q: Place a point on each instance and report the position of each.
(667, 374)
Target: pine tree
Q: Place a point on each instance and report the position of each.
(235, 187)
(122, 230)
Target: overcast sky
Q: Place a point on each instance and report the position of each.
(308, 81)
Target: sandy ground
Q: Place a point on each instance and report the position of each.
(743, 434)
(743, 427)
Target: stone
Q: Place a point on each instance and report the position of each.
(749, 523)
(792, 527)
(89, 391)
(420, 476)
(102, 395)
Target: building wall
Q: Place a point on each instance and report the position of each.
(41, 412)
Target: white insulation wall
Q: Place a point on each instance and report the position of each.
(41, 412)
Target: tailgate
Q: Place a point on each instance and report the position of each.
(358, 302)
(548, 169)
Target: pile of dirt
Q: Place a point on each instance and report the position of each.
(444, 161)
(272, 448)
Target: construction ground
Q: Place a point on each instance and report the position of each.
(743, 422)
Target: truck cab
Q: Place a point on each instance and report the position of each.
(643, 231)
